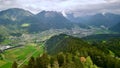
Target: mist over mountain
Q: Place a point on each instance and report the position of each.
(100, 19)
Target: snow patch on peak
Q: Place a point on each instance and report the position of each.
(64, 14)
(103, 13)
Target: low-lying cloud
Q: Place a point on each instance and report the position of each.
(78, 7)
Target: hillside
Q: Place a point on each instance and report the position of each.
(10, 21)
(100, 53)
(115, 28)
(62, 42)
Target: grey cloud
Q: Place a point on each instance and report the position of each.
(113, 7)
(78, 7)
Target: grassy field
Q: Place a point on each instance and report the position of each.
(21, 55)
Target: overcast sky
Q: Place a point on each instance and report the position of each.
(78, 7)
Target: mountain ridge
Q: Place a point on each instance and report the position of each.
(107, 19)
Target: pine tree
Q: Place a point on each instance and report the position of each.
(61, 59)
(117, 64)
(1, 57)
(14, 65)
(55, 64)
(68, 58)
(31, 63)
(43, 61)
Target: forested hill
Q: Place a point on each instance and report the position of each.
(103, 54)
(65, 51)
(64, 42)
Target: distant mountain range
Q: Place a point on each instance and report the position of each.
(23, 19)
(35, 22)
(46, 20)
(106, 19)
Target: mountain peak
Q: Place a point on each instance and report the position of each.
(15, 10)
(14, 14)
(49, 14)
(64, 14)
(103, 13)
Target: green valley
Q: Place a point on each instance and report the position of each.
(32, 35)
(21, 55)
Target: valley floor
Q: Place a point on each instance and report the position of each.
(21, 55)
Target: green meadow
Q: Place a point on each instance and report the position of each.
(21, 55)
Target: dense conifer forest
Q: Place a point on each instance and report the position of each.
(64, 51)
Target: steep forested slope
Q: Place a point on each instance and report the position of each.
(100, 52)
(115, 28)
(71, 52)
